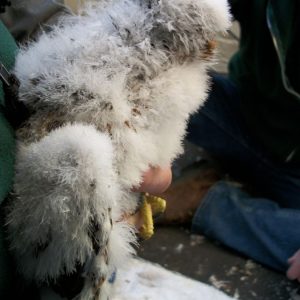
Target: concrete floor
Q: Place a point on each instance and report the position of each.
(198, 258)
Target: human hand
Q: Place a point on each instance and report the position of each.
(155, 181)
(294, 270)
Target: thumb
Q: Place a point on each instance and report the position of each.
(294, 271)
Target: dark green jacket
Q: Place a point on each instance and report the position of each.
(267, 68)
(8, 50)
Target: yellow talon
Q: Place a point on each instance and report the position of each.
(158, 205)
(151, 205)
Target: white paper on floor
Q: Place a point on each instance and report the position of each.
(143, 280)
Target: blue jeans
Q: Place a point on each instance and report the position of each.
(264, 227)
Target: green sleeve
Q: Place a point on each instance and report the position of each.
(8, 50)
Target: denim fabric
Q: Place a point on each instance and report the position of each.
(266, 226)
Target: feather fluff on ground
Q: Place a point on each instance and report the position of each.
(110, 92)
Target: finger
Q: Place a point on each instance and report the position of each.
(156, 180)
(293, 272)
(291, 259)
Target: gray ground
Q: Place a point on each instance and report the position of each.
(195, 256)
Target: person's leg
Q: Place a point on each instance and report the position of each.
(259, 227)
(256, 227)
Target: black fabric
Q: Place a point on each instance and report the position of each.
(3, 5)
(15, 111)
(271, 113)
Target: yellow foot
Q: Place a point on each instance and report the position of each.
(151, 206)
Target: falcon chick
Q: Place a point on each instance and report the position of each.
(109, 92)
